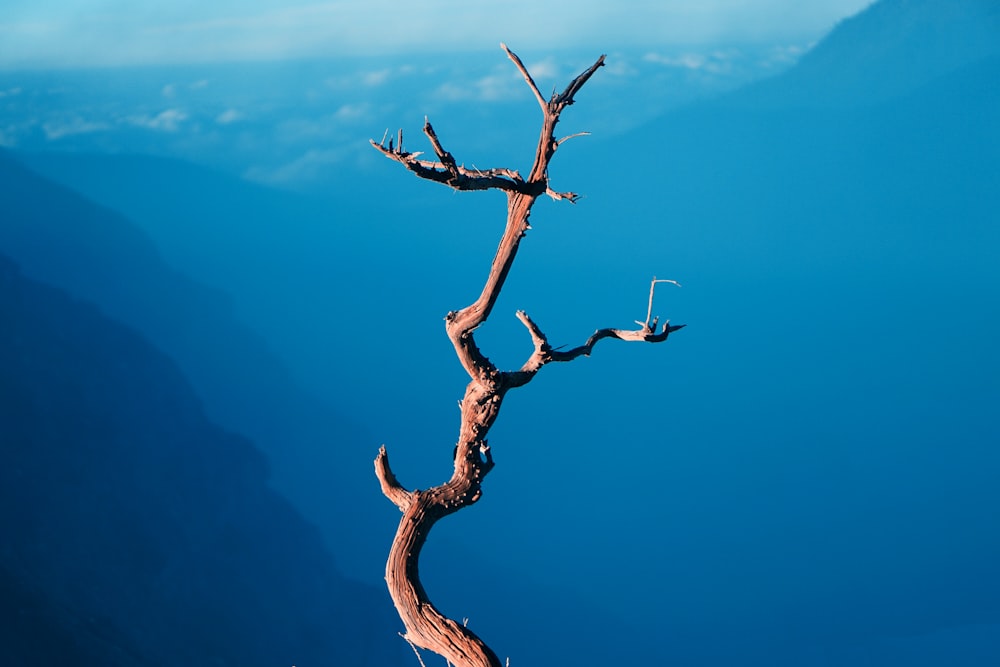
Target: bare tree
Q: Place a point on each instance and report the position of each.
(425, 626)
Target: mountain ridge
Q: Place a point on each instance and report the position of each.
(61, 238)
(886, 50)
(136, 531)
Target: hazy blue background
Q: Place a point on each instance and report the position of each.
(117, 32)
(806, 475)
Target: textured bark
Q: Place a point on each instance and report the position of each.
(425, 626)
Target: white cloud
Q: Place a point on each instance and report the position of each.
(170, 90)
(684, 61)
(495, 87)
(165, 121)
(58, 130)
(726, 62)
(306, 168)
(619, 66)
(368, 79)
(503, 84)
(305, 129)
(784, 55)
(229, 116)
(376, 78)
(353, 112)
(545, 69)
(10, 92)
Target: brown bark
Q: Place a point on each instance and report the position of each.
(425, 626)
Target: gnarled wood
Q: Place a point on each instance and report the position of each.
(425, 626)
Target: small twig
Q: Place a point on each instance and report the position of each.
(391, 487)
(537, 337)
(566, 97)
(571, 197)
(573, 136)
(527, 77)
(652, 286)
(415, 651)
(446, 158)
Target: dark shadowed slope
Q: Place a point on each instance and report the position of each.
(135, 531)
(64, 239)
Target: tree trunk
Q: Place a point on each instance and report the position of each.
(425, 626)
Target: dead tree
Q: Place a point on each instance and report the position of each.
(425, 626)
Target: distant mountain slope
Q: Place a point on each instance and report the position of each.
(135, 531)
(911, 182)
(64, 239)
(891, 48)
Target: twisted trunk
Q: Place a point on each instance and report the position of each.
(426, 626)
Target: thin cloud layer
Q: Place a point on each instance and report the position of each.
(74, 126)
(81, 33)
(168, 120)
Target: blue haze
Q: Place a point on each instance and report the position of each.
(805, 475)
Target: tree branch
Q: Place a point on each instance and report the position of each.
(425, 626)
(544, 353)
(566, 98)
(462, 324)
(446, 170)
(652, 288)
(391, 488)
(645, 335)
(527, 77)
(484, 394)
(571, 197)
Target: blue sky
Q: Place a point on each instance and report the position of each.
(115, 32)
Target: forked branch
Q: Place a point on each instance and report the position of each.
(544, 353)
(391, 488)
(446, 170)
(566, 97)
